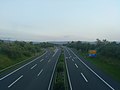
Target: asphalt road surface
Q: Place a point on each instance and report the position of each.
(82, 76)
(38, 74)
(34, 75)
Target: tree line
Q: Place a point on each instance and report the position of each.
(17, 49)
(103, 47)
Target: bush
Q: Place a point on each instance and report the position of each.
(18, 49)
(60, 67)
(59, 86)
(104, 48)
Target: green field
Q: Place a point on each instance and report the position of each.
(108, 65)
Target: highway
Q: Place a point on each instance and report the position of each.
(34, 75)
(83, 76)
(38, 74)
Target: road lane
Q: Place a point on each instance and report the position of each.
(83, 78)
(69, 79)
(34, 75)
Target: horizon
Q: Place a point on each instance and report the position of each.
(57, 41)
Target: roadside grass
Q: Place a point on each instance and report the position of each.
(6, 62)
(108, 65)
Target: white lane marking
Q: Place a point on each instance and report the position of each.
(84, 77)
(53, 72)
(49, 60)
(34, 66)
(21, 67)
(40, 72)
(15, 81)
(68, 74)
(68, 51)
(73, 60)
(76, 65)
(55, 52)
(93, 71)
(41, 60)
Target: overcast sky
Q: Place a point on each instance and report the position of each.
(60, 20)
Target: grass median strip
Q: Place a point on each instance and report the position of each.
(60, 78)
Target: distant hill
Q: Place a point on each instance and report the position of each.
(59, 42)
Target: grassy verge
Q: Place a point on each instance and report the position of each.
(6, 62)
(108, 65)
(60, 79)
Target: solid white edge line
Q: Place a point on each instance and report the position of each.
(76, 65)
(84, 77)
(93, 71)
(34, 66)
(40, 72)
(68, 73)
(21, 67)
(53, 72)
(15, 81)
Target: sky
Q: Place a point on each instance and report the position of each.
(60, 20)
